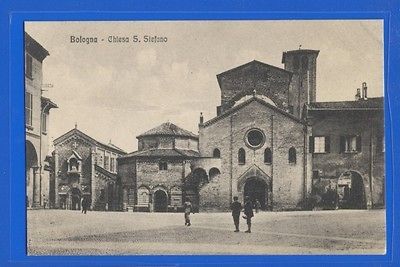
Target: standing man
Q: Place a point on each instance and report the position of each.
(188, 208)
(236, 207)
(84, 205)
(248, 212)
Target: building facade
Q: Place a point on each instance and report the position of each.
(37, 110)
(153, 177)
(270, 140)
(85, 168)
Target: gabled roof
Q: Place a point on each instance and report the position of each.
(76, 154)
(254, 62)
(247, 102)
(79, 133)
(168, 129)
(367, 104)
(159, 153)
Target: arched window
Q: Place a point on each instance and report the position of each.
(242, 156)
(292, 155)
(216, 153)
(267, 156)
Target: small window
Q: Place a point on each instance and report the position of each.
(267, 156)
(28, 108)
(100, 159)
(162, 166)
(350, 144)
(28, 67)
(292, 155)
(112, 165)
(242, 156)
(319, 144)
(216, 153)
(107, 162)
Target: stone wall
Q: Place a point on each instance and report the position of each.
(369, 125)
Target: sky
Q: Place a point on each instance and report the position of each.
(116, 91)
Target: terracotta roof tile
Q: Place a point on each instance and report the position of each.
(169, 129)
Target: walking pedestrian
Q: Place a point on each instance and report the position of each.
(188, 209)
(236, 207)
(248, 213)
(84, 205)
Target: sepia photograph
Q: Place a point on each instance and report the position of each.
(229, 137)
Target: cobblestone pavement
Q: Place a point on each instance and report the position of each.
(65, 232)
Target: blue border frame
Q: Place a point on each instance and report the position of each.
(13, 138)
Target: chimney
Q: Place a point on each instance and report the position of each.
(364, 91)
(201, 118)
(358, 95)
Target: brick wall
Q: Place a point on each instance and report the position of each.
(283, 134)
(267, 80)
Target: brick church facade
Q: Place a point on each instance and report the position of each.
(270, 140)
(85, 168)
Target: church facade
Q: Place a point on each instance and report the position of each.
(270, 140)
(85, 168)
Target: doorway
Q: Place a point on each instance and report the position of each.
(160, 201)
(256, 189)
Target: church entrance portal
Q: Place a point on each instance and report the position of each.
(75, 199)
(256, 189)
(160, 201)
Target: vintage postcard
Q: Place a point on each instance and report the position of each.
(205, 137)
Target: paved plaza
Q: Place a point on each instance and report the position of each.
(65, 232)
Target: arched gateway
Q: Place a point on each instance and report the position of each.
(256, 184)
(160, 201)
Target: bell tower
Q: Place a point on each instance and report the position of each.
(302, 90)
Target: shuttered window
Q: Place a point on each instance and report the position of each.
(350, 144)
(319, 144)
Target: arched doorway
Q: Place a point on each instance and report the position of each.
(75, 199)
(31, 165)
(256, 189)
(351, 191)
(213, 173)
(160, 201)
(193, 185)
